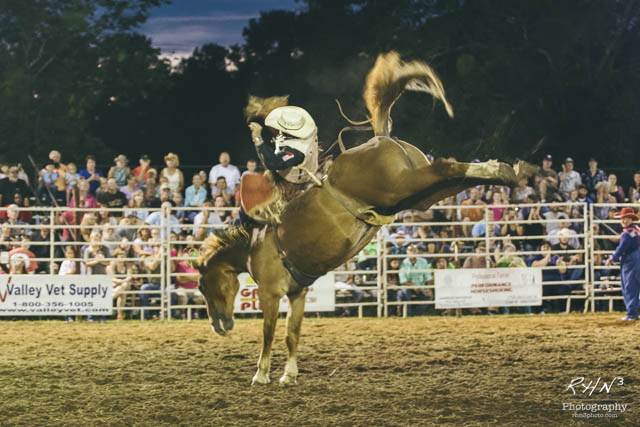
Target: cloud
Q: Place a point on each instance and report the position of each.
(194, 19)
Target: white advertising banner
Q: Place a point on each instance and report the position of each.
(321, 296)
(35, 295)
(488, 287)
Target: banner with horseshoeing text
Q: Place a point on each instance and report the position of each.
(488, 287)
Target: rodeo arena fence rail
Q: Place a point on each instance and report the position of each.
(143, 257)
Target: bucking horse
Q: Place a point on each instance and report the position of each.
(330, 223)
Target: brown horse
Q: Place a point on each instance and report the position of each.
(327, 225)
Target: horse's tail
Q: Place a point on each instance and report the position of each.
(389, 77)
(229, 240)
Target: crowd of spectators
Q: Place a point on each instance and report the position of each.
(127, 243)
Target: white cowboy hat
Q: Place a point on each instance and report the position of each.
(291, 120)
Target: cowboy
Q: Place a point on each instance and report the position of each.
(296, 143)
(628, 255)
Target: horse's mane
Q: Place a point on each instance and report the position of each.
(224, 241)
(389, 77)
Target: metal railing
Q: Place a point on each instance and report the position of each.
(368, 284)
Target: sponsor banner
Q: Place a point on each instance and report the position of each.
(321, 296)
(43, 295)
(488, 287)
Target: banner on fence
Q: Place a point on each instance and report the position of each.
(321, 296)
(36, 295)
(491, 287)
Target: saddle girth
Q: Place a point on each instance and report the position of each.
(302, 278)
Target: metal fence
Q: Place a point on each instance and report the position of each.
(150, 254)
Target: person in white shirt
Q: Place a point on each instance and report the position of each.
(569, 178)
(206, 216)
(225, 169)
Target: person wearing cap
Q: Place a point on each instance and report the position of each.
(294, 154)
(174, 176)
(164, 196)
(120, 171)
(415, 272)
(569, 178)
(593, 178)
(546, 181)
(128, 225)
(628, 254)
(112, 197)
(224, 168)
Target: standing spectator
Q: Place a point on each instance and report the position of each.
(473, 207)
(12, 185)
(569, 179)
(546, 181)
(142, 172)
(413, 272)
(593, 178)
(91, 174)
(546, 259)
(227, 170)
(120, 171)
(195, 195)
(174, 176)
(634, 190)
(112, 197)
(130, 188)
(151, 266)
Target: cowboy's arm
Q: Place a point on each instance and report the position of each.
(281, 160)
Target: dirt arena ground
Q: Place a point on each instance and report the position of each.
(474, 370)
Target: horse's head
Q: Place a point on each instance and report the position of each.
(219, 289)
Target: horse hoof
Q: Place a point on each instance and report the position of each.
(287, 380)
(260, 379)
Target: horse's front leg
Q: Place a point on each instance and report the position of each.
(294, 323)
(270, 304)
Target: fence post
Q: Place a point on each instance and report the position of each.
(592, 276)
(51, 240)
(379, 268)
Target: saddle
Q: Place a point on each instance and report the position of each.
(260, 199)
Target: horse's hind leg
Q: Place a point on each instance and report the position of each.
(294, 323)
(270, 304)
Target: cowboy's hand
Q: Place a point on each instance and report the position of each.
(256, 129)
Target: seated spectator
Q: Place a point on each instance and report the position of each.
(25, 216)
(521, 192)
(91, 174)
(112, 198)
(20, 264)
(473, 207)
(205, 180)
(109, 238)
(165, 196)
(95, 254)
(226, 170)
(6, 239)
(414, 272)
(187, 279)
(120, 171)
(25, 249)
(47, 189)
(205, 216)
(634, 190)
(546, 181)
(479, 259)
(164, 218)
(141, 245)
(104, 217)
(151, 187)
(18, 228)
(142, 171)
(176, 198)
(130, 188)
(252, 167)
(497, 204)
(12, 185)
(350, 286)
(174, 176)
(569, 179)
(85, 199)
(563, 238)
(612, 189)
(221, 190)
(553, 216)
(593, 178)
(152, 266)
(137, 204)
(195, 195)
(69, 265)
(42, 248)
(220, 207)
(128, 225)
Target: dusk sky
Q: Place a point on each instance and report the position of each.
(179, 27)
